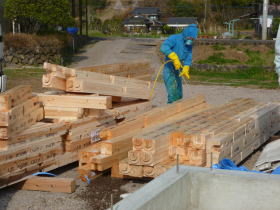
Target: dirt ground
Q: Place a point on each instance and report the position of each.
(98, 194)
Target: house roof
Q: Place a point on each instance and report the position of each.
(146, 11)
(136, 20)
(181, 20)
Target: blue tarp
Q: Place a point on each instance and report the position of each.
(229, 165)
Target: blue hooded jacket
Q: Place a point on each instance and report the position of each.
(176, 43)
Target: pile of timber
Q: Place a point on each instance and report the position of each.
(86, 110)
(41, 132)
(117, 140)
(233, 131)
(189, 130)
(77, 81)
(26, 145)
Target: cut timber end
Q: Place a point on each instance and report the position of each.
(46, 79)
(137, 143)
(134, 157)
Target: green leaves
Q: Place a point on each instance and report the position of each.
(181, 8)
(33, 14)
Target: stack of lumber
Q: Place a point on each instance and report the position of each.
(77, 81)
(88, 111)
(233, 131)
(117, 140)
(253, 129)
(19, 110)
(87, 93)
(138, 70)
(26, 145)
(33, 150)
(96, 102)
(41, 132)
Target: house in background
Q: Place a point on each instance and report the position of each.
(136, 24)
(143, 19)
(181, 22)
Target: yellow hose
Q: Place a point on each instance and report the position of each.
(159, 72)
(155, 82)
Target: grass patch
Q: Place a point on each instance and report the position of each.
(24, 73)
(254, 58)
(218, 47)
(252, 77)
(219, 59)
(25, 76)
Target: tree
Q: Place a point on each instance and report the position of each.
(181, 8)
(36, 15)
(113, 25)
(98, 4)
(95, 23)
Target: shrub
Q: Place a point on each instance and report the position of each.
(113, 25)
(168, 30)
(98, 4)
(34, 43)
(275, 25)
(95, 24)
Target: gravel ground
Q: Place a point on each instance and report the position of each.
(97, 195)
(218, 95)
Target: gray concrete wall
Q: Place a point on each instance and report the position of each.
(200, 188)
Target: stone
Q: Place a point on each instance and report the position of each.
(21, 57)
(9, 58)
(15, 60)
(31, 61)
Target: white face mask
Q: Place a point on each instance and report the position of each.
(188, 42)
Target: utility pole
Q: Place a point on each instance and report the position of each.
(1, 30)
(205, 15)
(3, 77)
(264, 19)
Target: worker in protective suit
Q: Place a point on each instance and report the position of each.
(178, 49)
(277, 55)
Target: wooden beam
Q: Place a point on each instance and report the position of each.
(50, 184)
(71, 101)
(53, 112)
(122, 89)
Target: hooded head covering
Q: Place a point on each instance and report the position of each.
(191, 31)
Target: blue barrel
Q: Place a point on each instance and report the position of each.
(72, 30)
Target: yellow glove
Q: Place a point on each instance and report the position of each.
(185, 72)
(176, 61)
